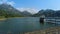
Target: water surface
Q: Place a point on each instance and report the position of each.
(25, 24)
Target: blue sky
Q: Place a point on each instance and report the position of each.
(34, 4)
(38, 4)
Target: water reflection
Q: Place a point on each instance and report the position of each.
(16, 25)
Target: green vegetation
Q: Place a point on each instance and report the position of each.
(7, 11)
(4, 14)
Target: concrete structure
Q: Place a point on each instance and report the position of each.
(52, 20)
(42, 19)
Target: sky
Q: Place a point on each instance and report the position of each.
(33, 6)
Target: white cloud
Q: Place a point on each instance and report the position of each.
(31, 10)
(11, 3)
(8, 2)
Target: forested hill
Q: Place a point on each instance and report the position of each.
(9, 11)
(48, 13)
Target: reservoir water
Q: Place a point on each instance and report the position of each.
(23, 24)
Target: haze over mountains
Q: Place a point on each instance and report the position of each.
(9, 11)
(30, 10)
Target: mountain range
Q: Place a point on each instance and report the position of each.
(9, 11)
(48, 13)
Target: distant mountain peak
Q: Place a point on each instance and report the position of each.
(6, 7)
(10, 10)
(5, 4)
(26, 12)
